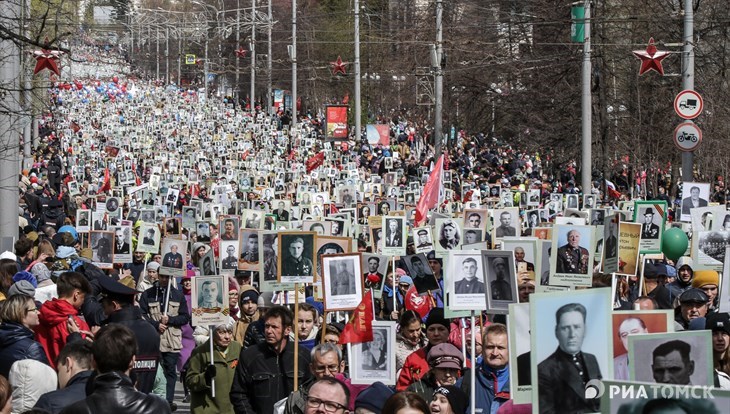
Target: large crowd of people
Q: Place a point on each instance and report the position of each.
(366, 275)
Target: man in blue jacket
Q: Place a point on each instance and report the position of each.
(492, 375)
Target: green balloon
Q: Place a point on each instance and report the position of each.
(674, 243)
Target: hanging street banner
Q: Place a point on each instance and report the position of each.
(336, 121)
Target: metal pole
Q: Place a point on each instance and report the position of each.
(167, 55)
(252, 99)
(294, 61)
(157, 53)
(179, 58)
(358, 108)
(269, 61)
(205, 69)
(688, 79)
(439, 84)
(236, 90)
(9, 77)
(27, 105)
(587, 167)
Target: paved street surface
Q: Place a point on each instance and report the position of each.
(179, 395)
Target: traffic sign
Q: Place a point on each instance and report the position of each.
(687, 136)
(688, 104)
(189, 59)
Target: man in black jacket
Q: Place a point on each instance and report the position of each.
(74, 370)
(112, 390)
(118, 305)
(272, 364)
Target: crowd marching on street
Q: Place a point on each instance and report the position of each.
(167, 236)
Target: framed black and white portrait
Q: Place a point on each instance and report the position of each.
(693, 195)
(501, 281)
(375, 360)
(202, 230)
(249, 258)
(422, 239)
(342, 283)
(564, 324)
(149, 238)
(571, 261)
(395, 236)
(449, 235)
(83, 221)
(209, 300)
(102, 247)
(374, 268)
(173, 256)
(295, 257)
(682, 358)
(123, 244)
(465, 280)
(421, 273)
(506, 222)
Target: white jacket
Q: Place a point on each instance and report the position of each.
(30, 379)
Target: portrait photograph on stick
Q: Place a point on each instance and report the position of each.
(342, 283)
(569, 331)
(374, 361)
(209, 300)
(465, 280)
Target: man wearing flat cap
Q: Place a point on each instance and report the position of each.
(649, 230)
(692, 305)
(117, 300)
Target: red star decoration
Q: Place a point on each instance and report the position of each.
(338, 66)
(47, 59)
(241, 52)
(651, 58)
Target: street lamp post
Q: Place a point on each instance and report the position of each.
(253, 55)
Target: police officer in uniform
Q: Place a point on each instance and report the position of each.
(117, 301)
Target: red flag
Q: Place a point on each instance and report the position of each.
(430, 195)
(418, 303)
(245, 154)
(292, 155)
(360, 327)
(75, 127)
(315, 161)
(107, 182)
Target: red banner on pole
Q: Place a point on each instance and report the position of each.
(336, 121)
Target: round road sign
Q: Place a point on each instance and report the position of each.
(687, 136)
(688, 104)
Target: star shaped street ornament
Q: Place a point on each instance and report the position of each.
(338, 66)
(47, 59)
(651, 58)
(241, 52)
